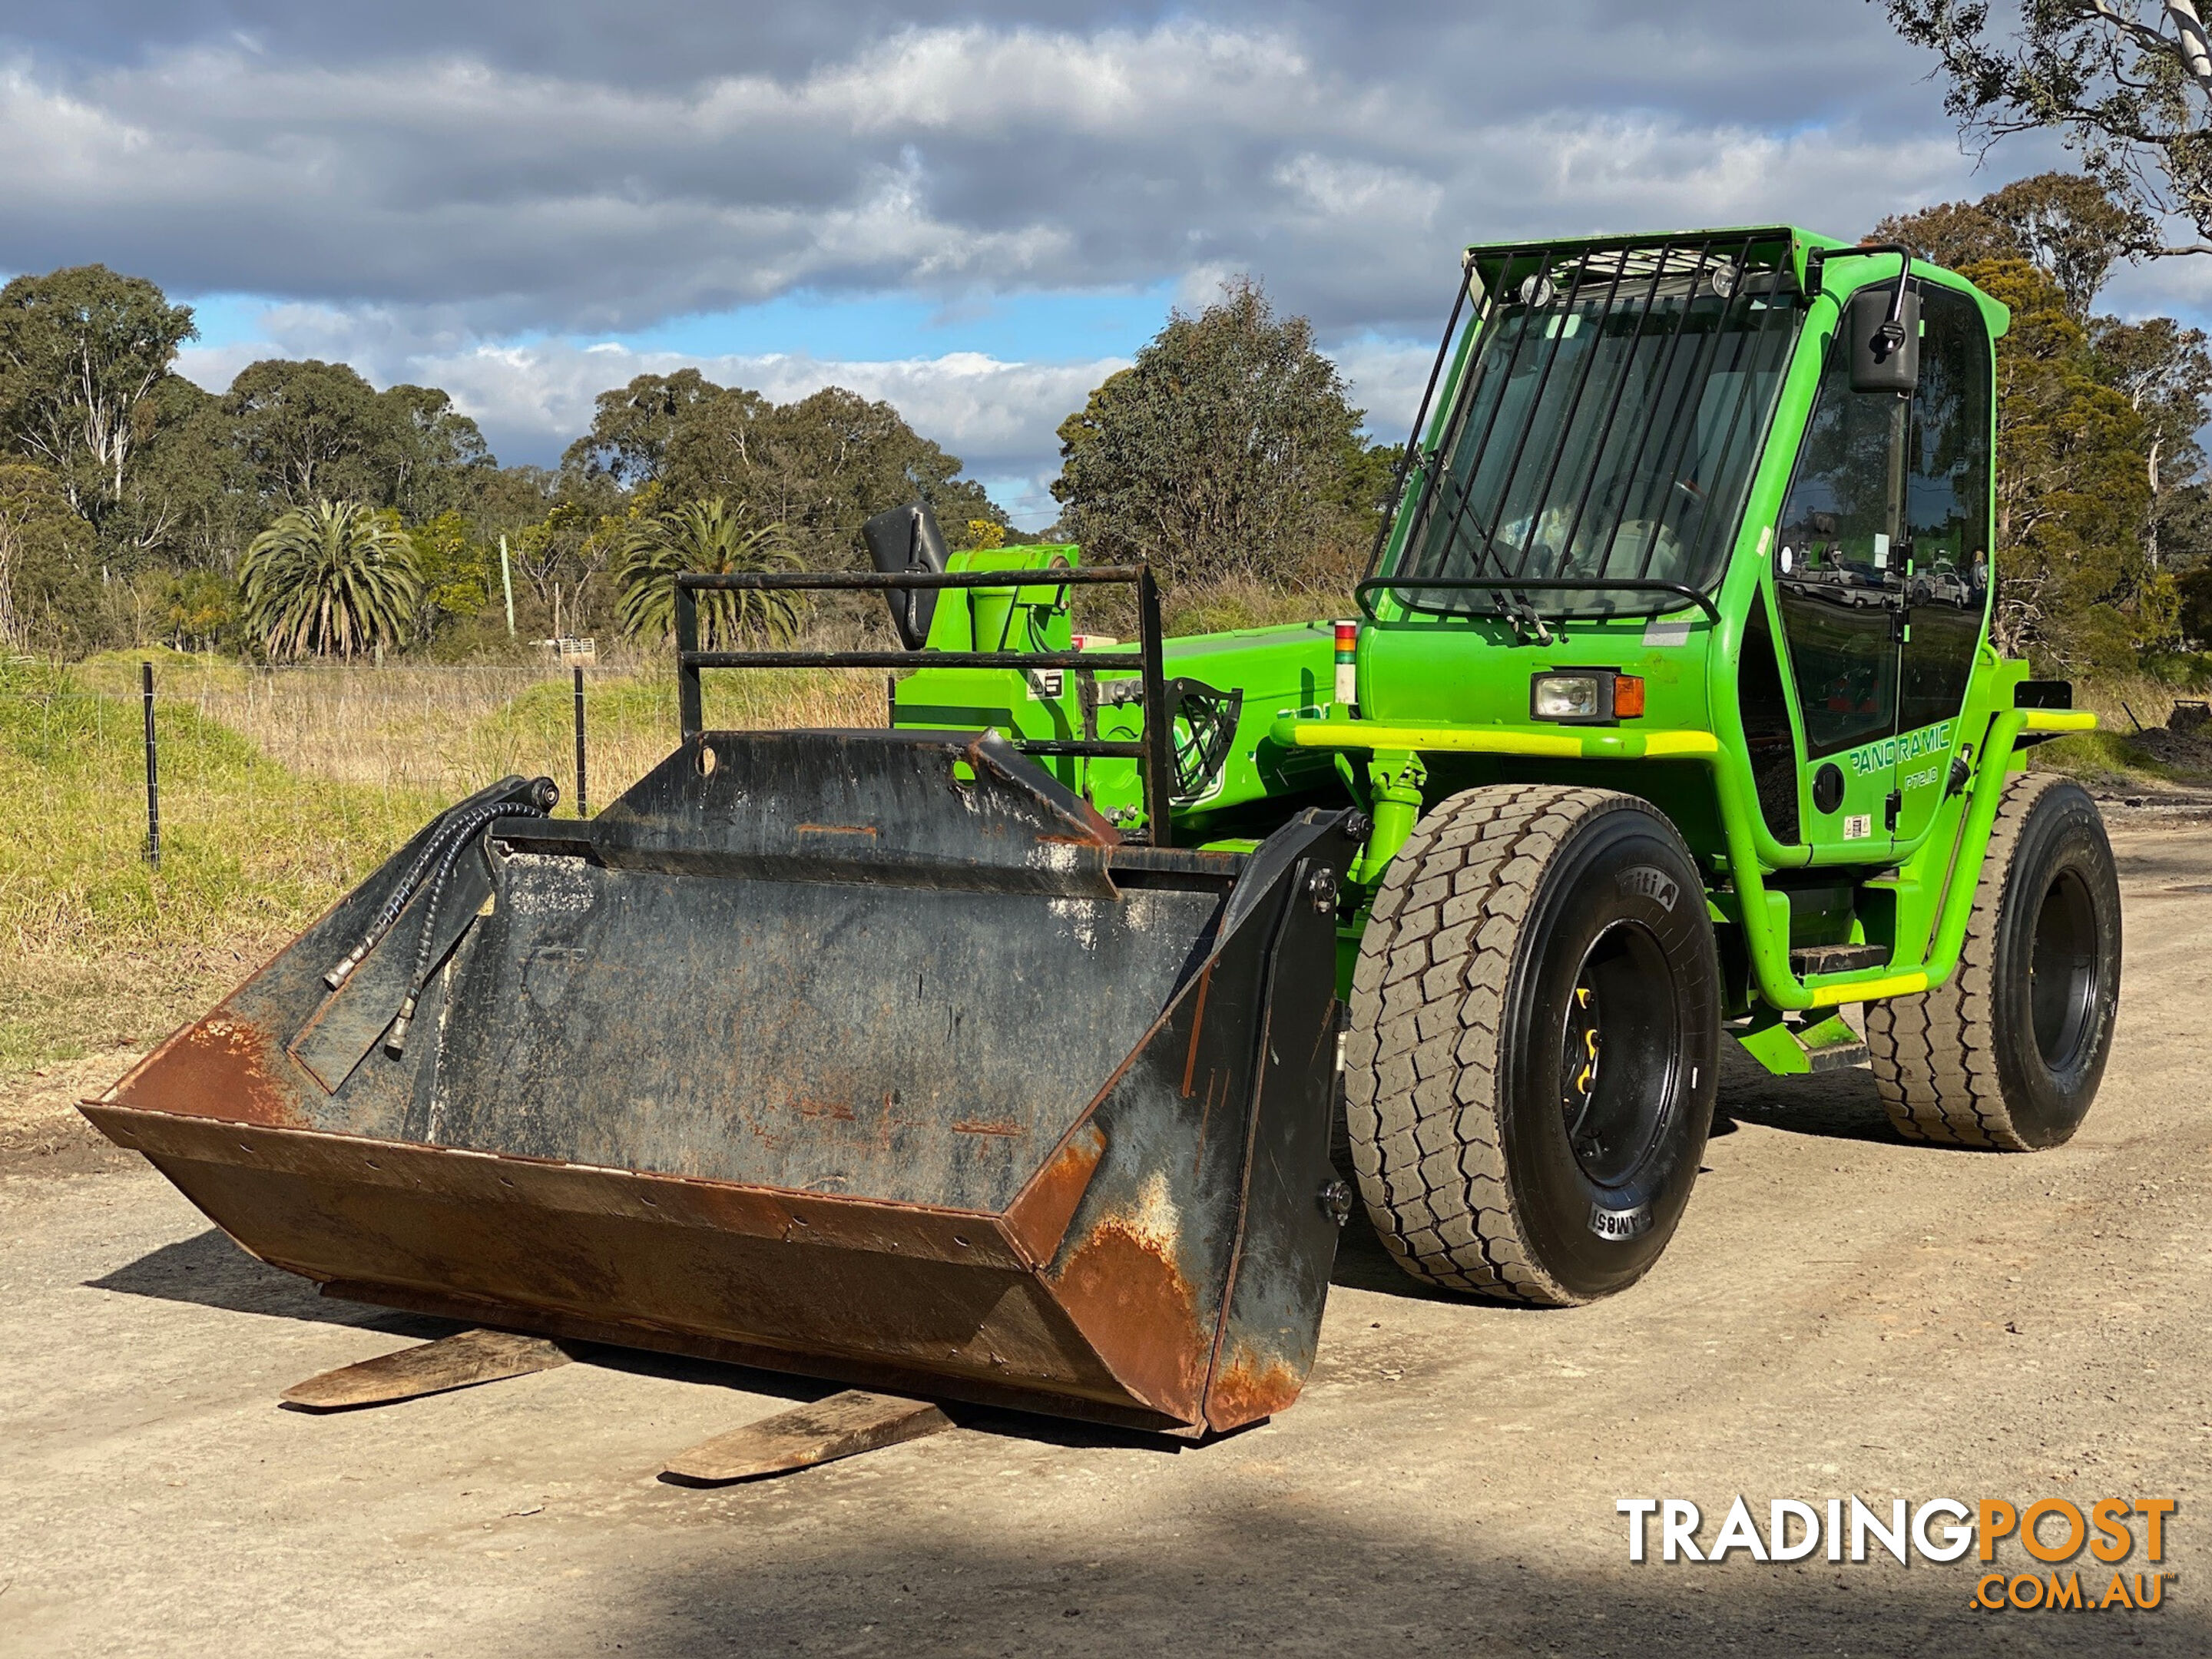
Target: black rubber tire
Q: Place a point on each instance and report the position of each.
(1505, 905)
(1976, 1061)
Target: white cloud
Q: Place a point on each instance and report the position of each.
(533, 397)
(984, 410)
(1386, 378)
(490, 196)
(935, 157)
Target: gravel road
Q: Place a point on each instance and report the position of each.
(1841, 1313)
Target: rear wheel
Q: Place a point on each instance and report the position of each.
(2008, 1052)
(1529, 1072)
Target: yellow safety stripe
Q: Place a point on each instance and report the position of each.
(1868, 990)
(1606, 745)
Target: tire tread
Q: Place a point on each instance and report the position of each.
(1421, 1092)
(1934, 1061)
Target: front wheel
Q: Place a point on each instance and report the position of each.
(1535, 1018)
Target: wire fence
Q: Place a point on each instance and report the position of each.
(278, 789)
(442, 732)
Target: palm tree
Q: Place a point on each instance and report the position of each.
(336, 576)
(708, 538)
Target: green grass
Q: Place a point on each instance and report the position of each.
(2103, 758)
(96, 944)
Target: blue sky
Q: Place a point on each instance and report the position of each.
(1086, 323)
(976, 211)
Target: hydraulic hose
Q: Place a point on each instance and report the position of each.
(435, 861)
(471, 824)
(396, 900)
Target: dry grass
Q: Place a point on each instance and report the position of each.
(1225, 606)
(280, 789)
(445, 733)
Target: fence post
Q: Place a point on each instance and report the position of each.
(583, 796)
(153, 770)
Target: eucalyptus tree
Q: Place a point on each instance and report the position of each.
(80, 351)
(48, 599)
(2126, 83)
(1227, 448)
(819, 465)
(633, 425)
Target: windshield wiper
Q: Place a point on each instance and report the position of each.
(1525, 619)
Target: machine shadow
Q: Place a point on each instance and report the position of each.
(708, 1373)
(210, 1271)
(1840, 1105)
(1288, 1575)
(1363, 1264)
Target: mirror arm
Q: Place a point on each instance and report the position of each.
(1893, 331)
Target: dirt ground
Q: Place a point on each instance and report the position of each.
(1841, 1313)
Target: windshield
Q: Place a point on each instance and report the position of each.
(1608, 423)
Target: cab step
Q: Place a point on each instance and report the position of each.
(1807, 960)
(1835, 1056)
(1789, 1049)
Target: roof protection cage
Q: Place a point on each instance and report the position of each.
(1610, 405)
(1153, 752)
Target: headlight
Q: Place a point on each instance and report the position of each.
(1566, 697)
(1587, 696)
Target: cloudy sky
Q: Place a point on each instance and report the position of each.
(975, 210)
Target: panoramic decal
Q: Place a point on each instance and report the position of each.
(1910, 745)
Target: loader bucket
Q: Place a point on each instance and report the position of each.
(876, 1056)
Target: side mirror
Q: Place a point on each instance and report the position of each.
(1885, 355)
(903, 538)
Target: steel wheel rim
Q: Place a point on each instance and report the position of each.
(2065, 972)
(1620, 1052)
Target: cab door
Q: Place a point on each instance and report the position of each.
(1840, 583)
(1946, 573)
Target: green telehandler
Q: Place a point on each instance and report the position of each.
(1032, 1048)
